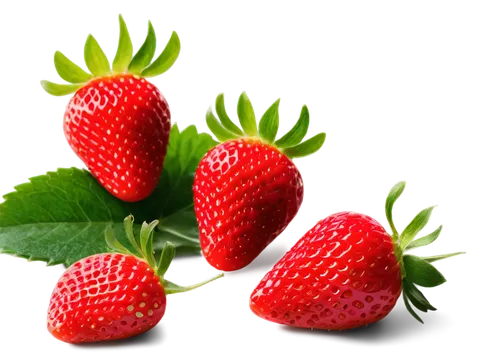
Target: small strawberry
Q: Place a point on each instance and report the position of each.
(113, 295)
(117, 122)
(247, 189)
(347, 271)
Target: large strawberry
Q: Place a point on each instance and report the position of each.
(247, 189)
(347, 271)
(113, 295)
(117, 122)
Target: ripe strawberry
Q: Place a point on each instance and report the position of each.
(247, 189)
(113, 295)
(347, 271)
(117, 122)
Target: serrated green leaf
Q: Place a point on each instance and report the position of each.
(308, 147)
(394, 194)
(246, 115)
(166, 59)
(220, 108)
(417, 224)
(69, 71)
(426, 240)
(216, 128)
(61, 217)
(269, 123)
(95, 59)
(297, 133)
(422, 273)
(113, 243)
(145, 54)
(125, 50)
(180, 228)
(443, 256)
(59, 90)
(410, 309)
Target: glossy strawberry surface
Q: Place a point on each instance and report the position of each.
(246, 192)
(119, 127)
(341, 274)
(105, 297)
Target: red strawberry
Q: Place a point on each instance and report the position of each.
(117, 122)
(113, 295)
(347, 271)
(247, 189)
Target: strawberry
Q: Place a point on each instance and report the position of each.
(117, 122)
(247, 189)
(347, 271)
(113, 295)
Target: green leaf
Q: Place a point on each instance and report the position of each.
(443, 256)
(69, 71)
(167, 254)
(269, 123)
(297, 133)
(125, 49)
(96, 60)
(166, 59)
(426, 240)
(62, 217)
(410, 309)
(394, 194)
(145, 54)
(216, 128)
(417, 224)
(246, 115)
(220, 108)
(422, 273)
(308, 147)
(146, 240)
(181, 229)
(59, 90)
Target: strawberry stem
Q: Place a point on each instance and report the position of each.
(171, 288)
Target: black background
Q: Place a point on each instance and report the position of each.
(395, 88)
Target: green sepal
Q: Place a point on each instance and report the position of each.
(443, 256)
(217, 129)
(417, 224)
(171, 287)
(269, 123)
(68, 70)
(297, 133)
(143, 57)
(113, 242)
(421, 272)
(95, 59)
(426, 240)
(146, 240)
(167, 255)
(125, 49)
(59, 90)
(308, 147)
(166, 59)
(228, 124)
(246, 115)
(416, 297)
(394, 194)
(128, 224)
(410, 309)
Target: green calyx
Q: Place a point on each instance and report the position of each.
(415, 270)
(290, 144)
(143, 248)
(124, 61)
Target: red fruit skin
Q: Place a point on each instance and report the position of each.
(246, 192)
(342, 274)
(119, 127)
(105, 297)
